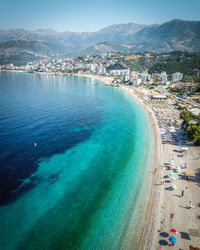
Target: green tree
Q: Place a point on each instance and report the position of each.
(181, 93)
(198, 87)
(185, 115)
(193, 132)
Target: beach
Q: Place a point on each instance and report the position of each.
(167, 208)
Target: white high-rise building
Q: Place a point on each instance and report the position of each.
(120, 72)
(137, 81)
(162, 76)
(101, 71)
(92, 67)
(145, 76)
(177, 77)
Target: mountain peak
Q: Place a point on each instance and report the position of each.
(49, 30)
(178, 20)
(176, 34)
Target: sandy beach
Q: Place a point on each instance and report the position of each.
(167, 208)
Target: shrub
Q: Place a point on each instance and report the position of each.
(193, 133)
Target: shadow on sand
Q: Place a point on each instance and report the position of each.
(185, 236)
(163, 242)
(164, 234)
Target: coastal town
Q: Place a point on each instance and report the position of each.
(109, 66)
(100, 125)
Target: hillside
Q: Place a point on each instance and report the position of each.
(71, 41)
(21, 51)
(125, 38)
(171, 62)
(174, 35)
(103, 48)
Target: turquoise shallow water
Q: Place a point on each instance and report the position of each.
(86, 186)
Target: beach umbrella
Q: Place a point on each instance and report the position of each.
(173, 231)
(172, 239)
(173, 179)
(174, 186)
(171, 174)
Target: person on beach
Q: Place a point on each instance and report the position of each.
(182, 193)
(190, 205)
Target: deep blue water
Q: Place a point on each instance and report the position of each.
(32, 111)
(84, 176)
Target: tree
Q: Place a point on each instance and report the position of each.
(198, 87)
(185, 115)
(181, 93)
(193, 132)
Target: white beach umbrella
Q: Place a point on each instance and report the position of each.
(174, 186)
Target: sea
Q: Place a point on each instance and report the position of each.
(75, 164)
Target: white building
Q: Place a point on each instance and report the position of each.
(126, 78)
(92, 67)
(137, 81)
(145, 76)
(101, 71)
(159, 96)
(162, 76)
(10, 66)
(134, 73)
(176, 77)
(120, 72)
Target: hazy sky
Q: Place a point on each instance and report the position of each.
(85, 15)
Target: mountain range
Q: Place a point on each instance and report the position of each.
(126, 38)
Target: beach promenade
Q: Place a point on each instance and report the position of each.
(174, 202)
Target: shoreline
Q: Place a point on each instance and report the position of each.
(107, 80)
(145, 234)
(167, 208)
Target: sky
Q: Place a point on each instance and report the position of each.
(92, 15)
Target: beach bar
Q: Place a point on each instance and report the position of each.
(189, 174)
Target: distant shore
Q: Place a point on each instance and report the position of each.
(108, 80)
